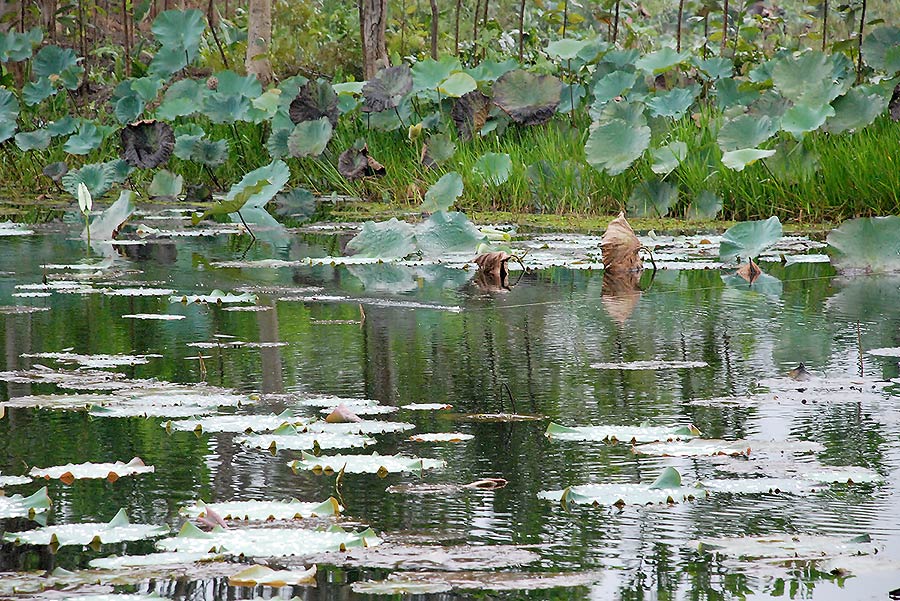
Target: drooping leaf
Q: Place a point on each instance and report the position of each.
(738, 159)
(652, 199)
(146, 144)
(445, 232)
(666, 158)
(469, 113)
(494, 168)
(275, 174)
(749, 238)
(165, 185)
(870, 244)
(55, 61)
(389, 239)
(316, 99)
(620, 247)
(385, 91)
(355, 163)
(38, 139)
(881, 49)
(309, 138)
(528, 98)
(443, 193)
(706, 206)
(614, 146)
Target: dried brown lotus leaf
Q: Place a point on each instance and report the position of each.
(620, 247)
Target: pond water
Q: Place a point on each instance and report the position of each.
(558, 345)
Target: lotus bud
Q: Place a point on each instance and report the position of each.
(415, 131)
(212, 83)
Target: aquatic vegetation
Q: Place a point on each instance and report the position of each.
(118, 529)
(262, 511)
(364, 464)
(110, 471)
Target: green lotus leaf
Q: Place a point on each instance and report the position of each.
(310, 138)
(738, 159)
(613, 85)
(275, 174)
(626, 434)
(746, 131)
(53, 60)
(674, 103)
(263, 511)
(364, 464)
(147, 88)
(265, 106)
(748, 239)
(35, 92)
(210, 152)
(62, 127)
(96, 176)
(316, 99)
(298, 204)
(568, 49)
(428, 73)
(165, 185)
(386, 90)
(7, 130)
(390, 239)
(220, 108)
(180, 31)
(733, 92)
(812, 78)
(147, 144)
(229, 83)
(802, 118)
(9, 107)
(661, 60)
(491, 70)
(493, 168)
(458, 84)
(217, 297)
(715, 68)
(570, 98)
(19, 506)
(277, 144)
(87, 138)
(182, 99)
(89, 470)
(443, 193)
(445, 232)
(185, 144)
(469, 113)
(777, 546)
(236, 424)
(166, 62)
(706, 206)
(652, 199)
(708, 447)
(128, 109)
(527, 98)
(614, 146)
(390, 120)
(666, 489)
(793, 162)
(287, 437)
(119, 529)
(869, 244)
(16, 47)
(622, 58)
(355, 163)
(39, 139)
(881, 49)
(666, 158)
(630, 113)
(55, 171)
(438, 149)
(106, 225)
(855, 110)
(119, 170)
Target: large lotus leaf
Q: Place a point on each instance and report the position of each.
(443, 193)
(210, 152)
(166, 62)
(385, 91)
(180, 30)
(493, 168)
(152, 560)
(734, 92)
(614, 146)
(229, 83)
(438, 149)
(236, 424)
(53, 60)
(38, 139)
(457, 85)
(19, 506)
(221, 108)
(87, 138)
(147, 88)
(661, 60)
(707, 447)
(390, 239)
(652, 199)
(746, 131)
(568, 49)
(855, 110)
(428, 73)
(445, 232)
(630, 113)
(165, 185)
(147, 144)
(97, 177)
(715, 68)
(667, 158)
(788, 547)
(881, 49)
(183, 98)
(9, 106)
(315, 100)
(107, 224)
(7, 130)
(813, 78)
(613, 85)
(706, 206)
(275, 174)
(674, 103)
(81, 471)
(621, 433)
(128, 109)
(288, 437)
(528, 98)
(364, 464)
(868, 243)
(35, 92)
(571, 97)
(749, 238)
(277, 144)
(119, 529)
(738, 159)
(666, 489)
(310, 138)
(793, 162)
(469, 113)
(62, 127)
(802, 118)
(266, 542)
(16, 47)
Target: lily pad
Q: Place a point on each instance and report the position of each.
(615, 145)
(366, 426)
(262, 511)
(287, 437)
(621, 433)
(650, 365)
(234, 423)
(364, 464)
(264, 575)
(704, 447)
(528, 98)
(111, 471)
(789, 547)
(124, 562)
(412, 583)
(749, 239)
(117, 530)
(390, 239)
(19, 506)
(216, 297)
(666, 489)
(441, 437)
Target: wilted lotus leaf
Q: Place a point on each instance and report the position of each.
(386, 90)
(316, 99)
(870, 244)
(620, 293)
(262, 511)
(147, 144)
(630, 434)
(106, 226)
(267, 542)
(494, 264)
(264, 575)
(364, 464)
(365, 426)
(56, 171)
(287, 437)
(469, 113)
(443, 193)
(894, 104)
(650, 365)
(341, 415)
(355, 163)
(749, 238)
(788, 547)
(119, 529)
(620, 247)
(19, 506)
(441, 437)
(390, 239)
(111, 471)
(709, 447)
(666, 489)
(749, 272)
(528, 98)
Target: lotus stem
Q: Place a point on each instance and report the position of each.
(249, 231)
(859, 60)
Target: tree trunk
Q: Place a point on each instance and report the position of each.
(372, 23)
(456, 32)
(521, 30)
(724, 28)
(824, 25)
(859, 61)
(680, 19)
(259, 36)
(434, 29)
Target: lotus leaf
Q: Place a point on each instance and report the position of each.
(210, 152)
(457, 85)
(855, 110)
(273, 177)
(455, 558)
(287, 437)
(220, 108)
(16, 46)
(428, 73)
(652, 198)
(739, 159)
(869, 244)
(469, 113)
(38, 139)
(749, 238)
(298, 203)
(97, 177)
(427, 407)
(708, 447)
(119, 529)
(650, 365)
(490, 70)
(613, 85)
(183, 98)
(568, 49)
(621, 433)
(360, 427)
(716, 68)
(881, 49)
(262, 511)
(364, 464)
(386, 90)
(813, 78)
(493, 168)
(53, 60)
(267, 542)
(128, 109)
(264, 575)
(441, 437)
(165, 185)
(7, 129)
(443, 193)
(667, 158)
(35, 92)
(216, 296)
(424, 582)
(674, 103)
(123, 562)
(802, 118)
(12, 481)
(315, 100)
(732, 92)
(789, 547)
(309, 138)
(111, 471)
(9, 107)
(661, 60)
(355, 163)
(87, 138)
(19, 506)
(147, 144)
(757, 486)
(571, 97)
(180, 31)
(445, 232)
(706, 206)
(392, 119)
(614, 146)
(106, 225)
(93, 361)
(667, 488)
(528, 98)
(746, 131)
(390, 239)
(62, 127)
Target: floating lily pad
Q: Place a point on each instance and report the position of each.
(154, 316)
(651, 365)
(234, 423)
(709, 447)
(124, 562)
(287, 437)
(621, 433)
(789, 547)
(667, 488)
(868, 244)
(264, 575)
(12, 480)
(441, 437)
(427, 407)
(366, 426)
(19, 506)
(93, 361)
(119, 529)
(412, 583)
(388, 239)
(749, 239)
(216, 297)
(261, 511)
(457, 558)
(364, 464)
(111, 471)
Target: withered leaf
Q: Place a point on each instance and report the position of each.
(355, 163)
(620, 247)
(469, 113)
(620, 293)
(749, 272)
(341, 415)
(493, 271)
(800, 374)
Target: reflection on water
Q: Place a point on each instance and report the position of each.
(451, 339)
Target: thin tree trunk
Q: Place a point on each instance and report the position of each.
(824, 25)
(616, 25)
(259, 36)
(372, 23)
(862, 25)
(403, 28)
(521, 30)
(211, 18)
(126, 17)
(475, 29)
(680, 19)
(565, 17)
(456, 31)
(724, 27)
(434, 29)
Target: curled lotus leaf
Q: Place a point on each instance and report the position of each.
(469, 113)
(147, 144)
(355, 163)
(746, 131)
(97, 177)
(316, 99)
(739, 159)
(106, 226)
(119, 529)
(620, 247)
(528, 98)
(457, 85)
(19, 506)
(386, 90)
(793, 546)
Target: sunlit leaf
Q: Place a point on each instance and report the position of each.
(738, 159)
(364, 464)
(749, 238)
(119, 529)
(458, 84)
(666, 158)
